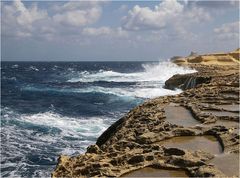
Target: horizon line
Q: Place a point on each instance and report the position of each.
(83, 61)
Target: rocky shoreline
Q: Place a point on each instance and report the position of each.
(191, 132)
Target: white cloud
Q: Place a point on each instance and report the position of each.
(23, 34)
(123, 8)
(170, 20)
(196, 15)
(97, 31)
(78, 17)
(167, 13)
(66, 19)
(228, 31)
(19, 21)
(144, 18)
(77, 5)
(77, 13)
(105, 31)
(27, 16)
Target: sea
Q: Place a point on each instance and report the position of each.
(54, 108)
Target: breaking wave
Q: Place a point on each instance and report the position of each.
(25, 136)
(49, 109)
(152, 72)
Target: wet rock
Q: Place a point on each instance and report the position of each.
(150, 158)
(93, 149)
(109, 132)
(182, 162)
(184, 132)
(208, 171)
(186, 81)
(174, 151)
(136, 159)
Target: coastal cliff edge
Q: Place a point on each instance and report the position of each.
(160, 133)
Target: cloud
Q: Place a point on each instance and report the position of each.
(196, 15)
(123, 8)
(77, 5)
(66, 19)
(78, 17)
(167, 13)
(27, 16)
(228, 31)
(64, 22)
(80, 22)
(78, 13)
(19, 21)
(104, 31)
(97, 31)
(144, 18)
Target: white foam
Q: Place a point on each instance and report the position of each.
(132, 93)
(86, 129)
(152, 72)
(149, 82)
(34, 68)
(9, 78)
(91, 126)
(15, 66)
(127, 93)
(20, 143)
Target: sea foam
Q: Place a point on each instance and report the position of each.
(149, 82)
(152, 72)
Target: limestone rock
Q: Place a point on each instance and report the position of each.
(137, 140)
(231, 58)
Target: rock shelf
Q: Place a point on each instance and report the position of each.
(151, 172)
(171, 132)
(180, 116)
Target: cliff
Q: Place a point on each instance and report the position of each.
(191, 132)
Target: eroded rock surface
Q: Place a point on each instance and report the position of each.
(230, 58)
(137, 140)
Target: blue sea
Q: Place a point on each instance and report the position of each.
(54, 108)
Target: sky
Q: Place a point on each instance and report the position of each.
(116, 30)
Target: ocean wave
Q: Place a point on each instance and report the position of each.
(152, 72)
(130, 93)
(76, 133)
(15, 66)
(146, 84)
(37, 150)
(31, 143)
(69, 126)
(32, 68)
(9, 78)
(90, 127)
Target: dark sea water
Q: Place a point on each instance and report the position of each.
(53, 108)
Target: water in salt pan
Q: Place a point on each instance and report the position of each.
(194, 143)
(220, 113)
(227, 163)
(180, 116)
(229, 107)
(226, 123)
(151, 172)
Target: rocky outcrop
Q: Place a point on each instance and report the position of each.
(186, 81)
(230, 58)
(141, 138)
(235, 54)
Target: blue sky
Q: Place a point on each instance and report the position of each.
(116, 30)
